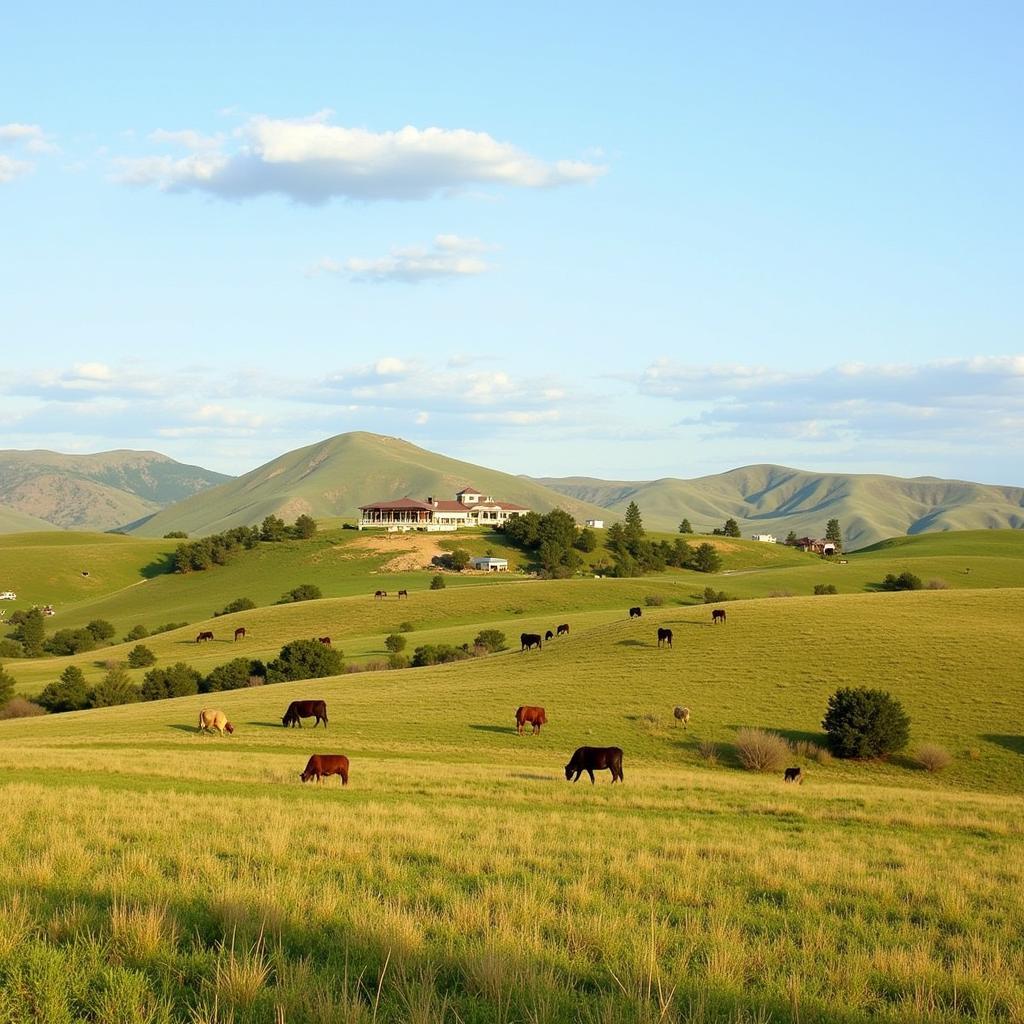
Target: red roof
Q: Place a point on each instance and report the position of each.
(449, 506)
(469, 490)
(399, 503)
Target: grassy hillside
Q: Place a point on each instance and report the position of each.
(775, 499)
(96, 492)
(333, 477)
(148, 873)
(13, 521)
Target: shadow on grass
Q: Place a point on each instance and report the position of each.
(1014, 743)
(632, 643)
(161, 566)
(494, 728)
(800, 736)
(533, 776)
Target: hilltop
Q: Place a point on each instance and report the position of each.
(333, 477)
(777, 499)
(92, 492)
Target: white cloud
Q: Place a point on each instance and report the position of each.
(450, 256)
(23, 139)
(11, 168)
(188, 139)
(312, 161)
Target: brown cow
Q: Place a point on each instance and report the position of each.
(530, 715)
(325, 640)
(300, 709)
(240, 633)
(589, 759)
(718, 616)
(206, 634)
(562, 630)
(403, 593)
(319, 766)
(209, 718)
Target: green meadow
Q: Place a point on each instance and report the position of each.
(149, 873)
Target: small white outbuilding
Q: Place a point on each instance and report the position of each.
(490, 564)
(595, 524)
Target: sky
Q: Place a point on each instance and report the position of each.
(623, 241)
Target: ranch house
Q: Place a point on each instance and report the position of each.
(764, 538)
(470, 508)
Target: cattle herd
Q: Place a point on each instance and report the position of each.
(584, 759)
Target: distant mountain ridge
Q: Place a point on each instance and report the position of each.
(777, 499)
(99, 492)
(333, 477)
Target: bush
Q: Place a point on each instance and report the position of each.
(932, 758)
(136, 633)
(398, 661)
(178, 680)
(654, 600)
(141, 656)
(781, 593)
(69, 693)
(406, 627)
(704, 558)
(115, 688)
(305, 659)
(825, 588)
(236, 674)
(490, 640)
(712, 596)
(395, 643)
(761, 751)
(168, 626)
(176, 535)
(6, 685)
(905, 581)
(865, 723)
(303, 592)
(708, 750)
(240, 604)
(438, 654)
(11, 649)
(20, 707)
(70, 641)
(437, 583)
(101, 629)
(304, 528)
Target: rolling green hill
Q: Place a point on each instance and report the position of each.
(12, 521)
(95, 492)
(775, 499)
(333, 477)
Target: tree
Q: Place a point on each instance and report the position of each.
(141, 656)
(303, 592)
(459, 559)
(834, 534)
(865, 723)
(685, 527)
(176, 535)
(731, 528)
(305, 527)
(101, 629)
(825, 588)
(6, 685)
(70, 641)
(69, 693)
(586, 541)
(114, 688)
(395, 642)
(178, 680)
(240, 604)
(633, 528)
(136, 633)
(490, 639)
(233, 675)
(273, 528)
(305, 659)
(791, 537)
(437, 583)
(705, 558)
(905, 581)
(32, 632)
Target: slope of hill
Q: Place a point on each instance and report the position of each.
(95, 492)
(333, 477)
(777, 499)
(13, 521)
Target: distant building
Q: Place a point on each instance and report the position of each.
(764, 538)
(470, 508)
(489, 564)
(815, 546)
(595, 524)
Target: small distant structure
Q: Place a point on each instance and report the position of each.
(488, 563)
(595, 524)
(8, 595)
(825, 548)
(470, 508)
(48, 610)
(764, 538)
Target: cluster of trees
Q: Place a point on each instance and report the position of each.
(554, 539)
(487, 641)
(217, 549)
(730, 529)
(634, 553)
(27, 638)
(904, 581)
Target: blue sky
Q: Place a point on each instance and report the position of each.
(552, 239)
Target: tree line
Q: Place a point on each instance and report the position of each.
(218, 548)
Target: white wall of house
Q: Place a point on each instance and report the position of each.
(764, 538)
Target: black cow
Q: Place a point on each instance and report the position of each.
(718, 616)
(299, 709)
(549, 635)
(794, 775)
(529, 640)
(563, 629)
(664, 636)
(206, 634)
(635, 613)
(591, 759)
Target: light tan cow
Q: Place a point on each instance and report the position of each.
(681, 715)
(212, 719)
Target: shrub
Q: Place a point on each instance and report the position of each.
(712, 596)
(905, 581)
(936, 585)
(490, 640)
(69, 693)
(865, 723)
(11, 649)
(704, 558)
(233, 675)
(20, 707)
(825, 588)
(654, 600)
(70, 641)
(168, 626)
(141, 656)
(176, 535)
(138, 632)
(6, 685)
(101, 629)
(761, 751)
(438, 654)
(781, 593)
(303, 592)
(114, 688)
(398, 661)
(932, 758)
(437, 583)
(240, 604)
(305, 659)
(406, 627)
(304, 528)
(395, 642)
(178, 680)
(708, 750)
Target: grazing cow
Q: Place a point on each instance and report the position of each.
(664, 636)
(529, 640)
(682, 715)
(381, 594)
(319, 766)
(529, 715)
(209, 718)
(591, 759)
(240, 633)
(794, 775)
(718, 616)
(635, 613)
(206, 634)
(563, 629)
(299, 709)
(549, 635)
(325, 640)
(403, 593)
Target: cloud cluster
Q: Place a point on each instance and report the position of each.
(313, 161)
(21, 139)
(449, 257)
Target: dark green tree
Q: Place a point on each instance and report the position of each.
(705, 559)
(490, 639)
(305, 659)
(685, 527)
(865, 723)
(304, 528)
(240, 604)
(7, 685)
(395, 642)
(437, 583)
(177, 680)
(303, 592)
(70, 641)
(32, 632)
(834, 534)
(273, 528)
(587, 540)
(114, 688)
(101, 629)
(633, 528)
(905, 581)
(791, 537)
(141, 656)
(69, 693)
(233, 675)
(136, 633)
(459, 559)
(731, 528)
